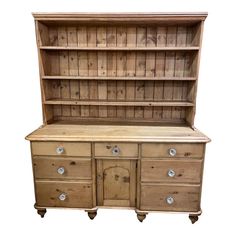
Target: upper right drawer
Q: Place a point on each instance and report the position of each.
(186, 150)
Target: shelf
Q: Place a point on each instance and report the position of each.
(53, 77)
(193, 48)
(118, 103)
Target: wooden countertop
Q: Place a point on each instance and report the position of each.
(60, 132)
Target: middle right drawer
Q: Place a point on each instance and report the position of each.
(179, 171)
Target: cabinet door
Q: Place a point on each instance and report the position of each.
(116, 182)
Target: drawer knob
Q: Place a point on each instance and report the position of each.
(171, 173)
(170, 200)
(172, 152)
(115, 150)
(61, 170)
(60, 150)
(62, 197)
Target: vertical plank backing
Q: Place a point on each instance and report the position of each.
(159, 85)
(121, 36)
(179, 72)
(121, 41)
(102, 84)
(140, 69)
(139, 85)
(169, 70)
(55, 70)
(149, 85)
(141, 36)
(131, 60)
(111, 69)
(72, 36)
(93, 85)
(150, 70)
(93, 69)
(84, 90)
(53, 36)
(83, 68)
(101, 36)
(64, 69)
(189, 113)
(102, 69)
(73, 69)
(160, 71)
(111, 85)
(82, 36)
(120, 89)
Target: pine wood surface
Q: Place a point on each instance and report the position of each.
(118, 93)
(106, 68)
(98, 133)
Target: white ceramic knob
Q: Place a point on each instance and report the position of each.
(62, 197)
(61, 170)
(171, 173)
(115, 151)
(170, 200)
(59, 150)
(172, 152)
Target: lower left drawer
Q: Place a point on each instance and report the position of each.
(64, 194)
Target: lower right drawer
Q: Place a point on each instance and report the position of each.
(162, 197)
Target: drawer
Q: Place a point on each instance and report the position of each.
(64, 194)
(61, 168)
(116, 149)
(173, 150)
(170, 197)
(61, 148)
(171, 171)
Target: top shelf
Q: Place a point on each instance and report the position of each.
(190, 48)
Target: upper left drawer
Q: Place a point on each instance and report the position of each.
(61, 148)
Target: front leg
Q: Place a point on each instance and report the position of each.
(92, 214)
(41, 212)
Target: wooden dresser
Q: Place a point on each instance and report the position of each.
(119, 100)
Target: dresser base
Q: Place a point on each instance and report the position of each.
(141, 215)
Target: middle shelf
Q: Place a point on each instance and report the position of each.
(164, 48)
(73, 77)
(118, 103)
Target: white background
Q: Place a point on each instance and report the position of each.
(21, 113)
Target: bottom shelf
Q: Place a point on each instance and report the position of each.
(116, 121)
(118, 114)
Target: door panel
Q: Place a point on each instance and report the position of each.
(116, 182)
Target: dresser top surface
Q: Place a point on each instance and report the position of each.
(60, 132)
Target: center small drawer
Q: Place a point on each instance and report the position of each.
(175, 171)
(116, 150)
(62, 168)
(186, 150)
(61, 149)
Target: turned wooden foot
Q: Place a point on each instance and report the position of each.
(193, 218)
(42, 212)
(141, 217)
(92, 214)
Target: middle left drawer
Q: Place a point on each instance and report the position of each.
(62, 167)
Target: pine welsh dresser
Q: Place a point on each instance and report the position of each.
(119, 100)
